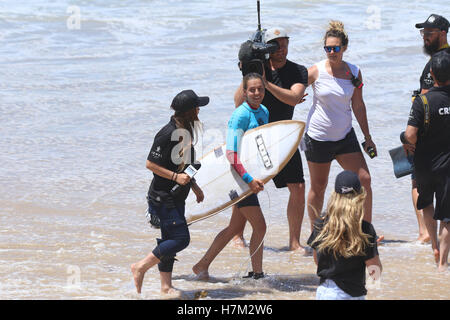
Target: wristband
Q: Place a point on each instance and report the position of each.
(247, 178)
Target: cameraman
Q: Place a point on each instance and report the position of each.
(285, 83)
(429, 141)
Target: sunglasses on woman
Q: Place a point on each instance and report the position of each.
(332, 48)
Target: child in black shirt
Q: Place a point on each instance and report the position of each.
(344, 244)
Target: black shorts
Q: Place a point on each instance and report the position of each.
(291, 173)
(438, 185)
(326, 151)
(250, 201)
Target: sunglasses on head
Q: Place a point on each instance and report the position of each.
(332, 48)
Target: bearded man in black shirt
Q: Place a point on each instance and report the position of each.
(427, 136)
(285, 83)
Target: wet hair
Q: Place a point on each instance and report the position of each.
(336, 29)
(342, 233)
(440, 65)
(251, 76)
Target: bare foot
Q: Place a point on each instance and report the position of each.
(171, 293)
(138, 276)
(443, 268)
(305, 251)
(239, 242)
(424, 239)
(201, 274)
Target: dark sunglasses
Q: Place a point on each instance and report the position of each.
(334, 48)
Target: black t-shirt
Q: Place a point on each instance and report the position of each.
(284, 77)
(426, 80)
(432, 149)
(348, 273)
(161, 154)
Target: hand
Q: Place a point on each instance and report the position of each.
(182, 179)
(303, 98)
(409, 148)
(370, 143)
(256, 186)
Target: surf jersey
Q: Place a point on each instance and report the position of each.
(285, 78)
(243, 118)
(330, 117)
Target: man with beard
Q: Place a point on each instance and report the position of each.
(434, 33)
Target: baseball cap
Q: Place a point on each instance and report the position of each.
(274, 33)
(347, 182)
(434, 21)
(188, 99)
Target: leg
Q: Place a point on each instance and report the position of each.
(140, 268)
(444, 247)
(355, 162)
(256, 218)
(237, 222)
(238, 239)
(431, 225)
(295, 212)
(318, 173)
(423, 233)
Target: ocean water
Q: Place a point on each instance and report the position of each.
(85, 86)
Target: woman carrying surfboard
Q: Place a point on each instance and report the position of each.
(167, 160)
(249, 115)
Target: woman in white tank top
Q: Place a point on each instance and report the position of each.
(329, 133)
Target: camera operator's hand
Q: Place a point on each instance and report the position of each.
(303, 98)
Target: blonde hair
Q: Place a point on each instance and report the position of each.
(336, 29)
(342, 233)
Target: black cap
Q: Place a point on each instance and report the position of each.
(188, 99)
(347, 182)
(435, 21)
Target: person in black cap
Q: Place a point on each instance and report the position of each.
(427, 135)
(167, 160)
(344, 244)
(285, 83)
(434, 33)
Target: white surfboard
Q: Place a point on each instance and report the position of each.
(264, 152)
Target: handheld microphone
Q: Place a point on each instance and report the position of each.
(191, 171)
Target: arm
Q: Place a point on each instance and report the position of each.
(292, 96)
(180, 178)
(239, 96)
(313, 74)
(360, 112)
(410, 139)
(375, 268)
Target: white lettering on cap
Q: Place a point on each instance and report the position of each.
(431, 19)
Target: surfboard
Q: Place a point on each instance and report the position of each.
(265, 151)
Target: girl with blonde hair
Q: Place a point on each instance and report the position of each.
(344, 243)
